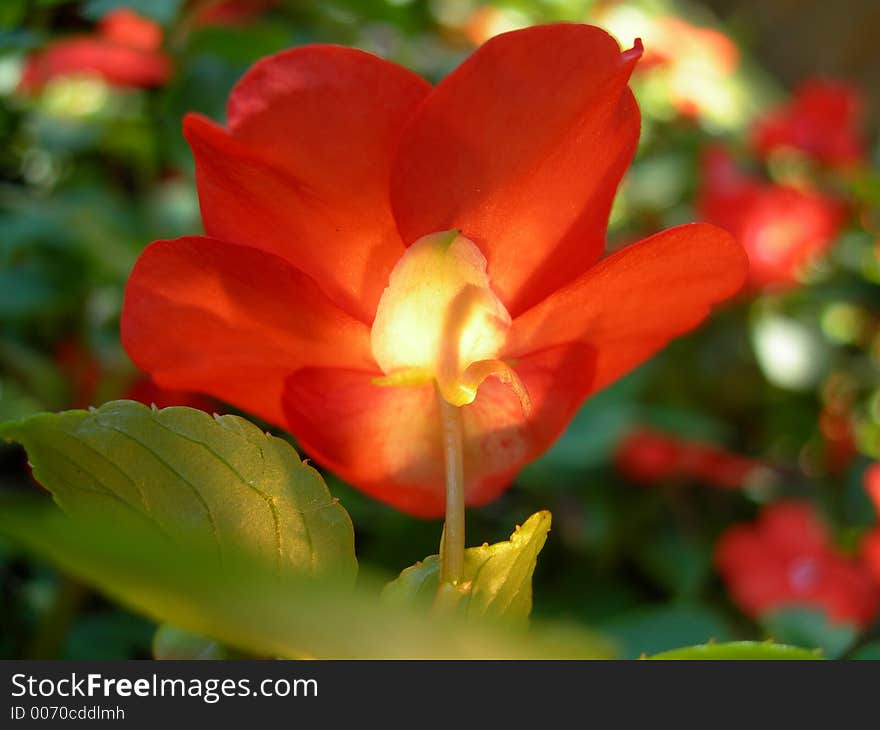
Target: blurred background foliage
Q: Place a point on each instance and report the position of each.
(776, 397)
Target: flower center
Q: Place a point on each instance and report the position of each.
(803, 575)
(438, 319)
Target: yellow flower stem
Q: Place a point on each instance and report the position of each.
(452, 547)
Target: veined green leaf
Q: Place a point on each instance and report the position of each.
(748, 650)
(220, 530)
(497, 579)
(191, 478)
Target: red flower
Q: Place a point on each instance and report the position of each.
(231, 12)
(675, 38)
(125, 51)
(650, 456)
(786, 559)
(871, 542)
(781, 228)
(370, 236)
(838, 434)
(822, 120)
(90, 383)
(696, 62)
(127, 28)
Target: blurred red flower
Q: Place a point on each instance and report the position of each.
(838, 435)
(231, 12)
(822, 120)
(370, 237)
(85, 377)
(696, 61)
(675, 40)
(650, 456)
(871, 542)
(786, 559)
(781, 228)
(125, 51)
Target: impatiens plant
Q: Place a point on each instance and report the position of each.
(782, 228)
(787, 560)
(821, 122)
(414, 275)
(649, 456)
(125, 50)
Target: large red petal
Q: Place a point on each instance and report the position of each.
(233, 322)
(303, 170)
(387, 440)
(631, 304)
(522, 148)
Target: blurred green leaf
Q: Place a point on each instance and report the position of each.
(745, 650)
(37, 376)
(859, 509)
(26, 290)
(171, 642)
(810, 628)
(190, 476)
(108, 635)
(661, 628)
(12, 12)
(870, 651)
(162, 11)
(15, 402)
(241, 45)
(678, 563)
(241, 602)
(497, 581)
(20, 39)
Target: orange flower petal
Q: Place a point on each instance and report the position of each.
(522, 148)
(630, 305)
(233, 322)
(387, 440)
(303, 170)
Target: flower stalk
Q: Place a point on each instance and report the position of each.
(452, 546)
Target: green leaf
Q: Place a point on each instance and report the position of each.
(678, 562)
(497, 580)
(162, 11)
(241, 603)
(810, 628)
(26, 290)
(108, 634)
(171, 642)
(12, 12)
(658, 628)
(15, 402)
(171, 514)
(191, 477)
(870, 651)
(747, 650)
